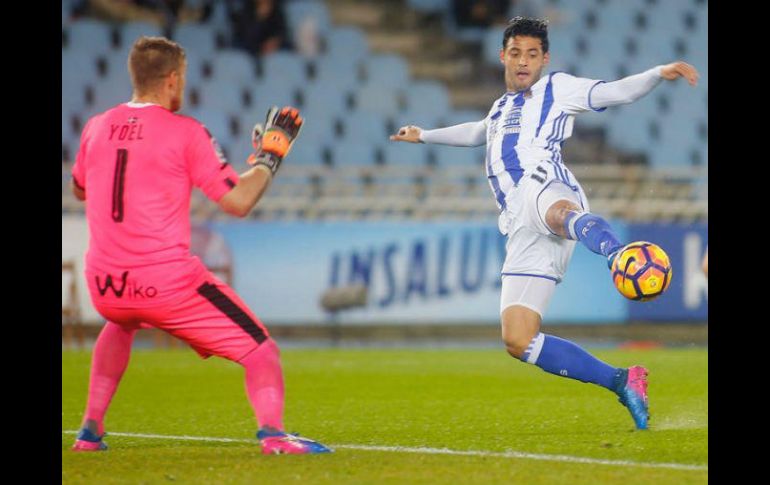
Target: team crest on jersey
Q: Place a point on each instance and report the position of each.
(132, 119)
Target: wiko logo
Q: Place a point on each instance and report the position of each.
(134, 290)
(108, 284)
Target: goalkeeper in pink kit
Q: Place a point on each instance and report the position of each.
(135, 170)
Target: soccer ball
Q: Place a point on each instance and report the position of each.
(641, 271)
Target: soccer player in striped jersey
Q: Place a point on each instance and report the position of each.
(543, 209)
(135, 170)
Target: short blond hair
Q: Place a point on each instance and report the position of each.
(152, 59)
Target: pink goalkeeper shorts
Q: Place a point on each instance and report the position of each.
(208, 315)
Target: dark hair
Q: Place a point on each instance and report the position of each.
(151, 59)
(530, 27)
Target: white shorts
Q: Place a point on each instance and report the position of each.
(532, 248)
(528, 291)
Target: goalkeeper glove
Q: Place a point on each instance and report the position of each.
(273, 141)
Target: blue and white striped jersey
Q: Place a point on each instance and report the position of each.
(527, 128)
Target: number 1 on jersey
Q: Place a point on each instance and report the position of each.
(118, 185)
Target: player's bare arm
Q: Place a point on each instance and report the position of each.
(272, 143)
(408, 133)
(250, 188)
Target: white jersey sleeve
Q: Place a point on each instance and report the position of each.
(573, 94)
(469, 134)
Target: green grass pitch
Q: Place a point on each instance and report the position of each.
(480, 400)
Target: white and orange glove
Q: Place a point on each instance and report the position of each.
(273, 141)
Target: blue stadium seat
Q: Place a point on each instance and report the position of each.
(362, 127)
(347, 42)
(616, 18)
(325, 98)
(305, 153)
(224, 96)
(131, 31)
(195, 68)
(492, 43)
(386, 70)
(300, 11)
(424, 119)
(428, 96)
(449, 156)
(89, 36)
(197, 38)
(378, 99)
(630, 129)
(217, 122)
(339, 71)
(79, 66)
(271, 93)
(459, 116)
(233, 65)
(318, 129)
(400, 153)
(112, 91)
(284, 65)
(430, 6)
(350, 153)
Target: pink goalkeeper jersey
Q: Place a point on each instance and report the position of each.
(137, 164)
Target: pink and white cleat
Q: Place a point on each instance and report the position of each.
(280, 443)
(634, 396)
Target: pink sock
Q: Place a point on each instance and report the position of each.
(264, 384)
(110, 358)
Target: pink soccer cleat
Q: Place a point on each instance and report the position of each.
(88, 441)
(280, 443)
(634, 396)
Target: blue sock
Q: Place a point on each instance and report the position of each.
(593, 231)
(564, 358)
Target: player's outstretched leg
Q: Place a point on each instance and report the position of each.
(594, 232)
(110, 359)
(524, 341)
(265, 389)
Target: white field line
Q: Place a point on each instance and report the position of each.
(437, 451)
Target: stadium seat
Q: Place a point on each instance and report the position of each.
(351, 153)
(491, 45)
(324, 97)
(131, 31)
(449, 156)
(284, 65)
(386, 70)
(347, 42)
(217, 122)
(430, 6)
(79, 66)
(400, 153)
(300, 11)
(112, 91)
(427, 96)
(224, 96)
(271, 92)
(377, 99)
(459, 116)
(364, 127)
(197, 38)
(233, 65)
(424, 119)
(339, 71)
(306, 153)
(89, 36)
